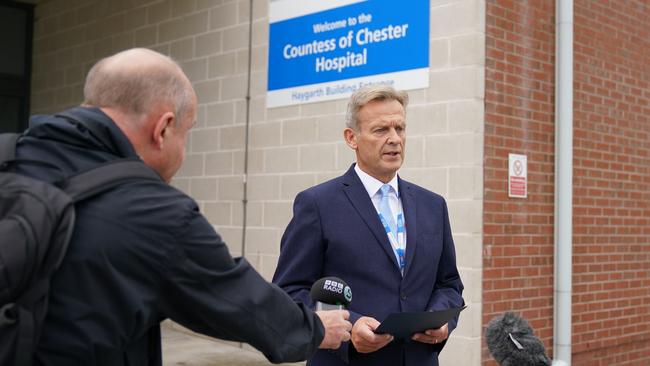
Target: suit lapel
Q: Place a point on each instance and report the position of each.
(410, 218)
(358, 195)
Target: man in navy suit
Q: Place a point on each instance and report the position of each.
(389, 239)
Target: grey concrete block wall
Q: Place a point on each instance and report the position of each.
(290, 148)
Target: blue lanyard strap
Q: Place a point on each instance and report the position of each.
(399, 243)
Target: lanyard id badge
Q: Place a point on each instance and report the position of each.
(398, 242)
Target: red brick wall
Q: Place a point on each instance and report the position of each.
(611, 301)
(611, 282)
(519, 118)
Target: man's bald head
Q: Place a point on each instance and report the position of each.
(136, 81)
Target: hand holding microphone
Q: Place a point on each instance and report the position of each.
(331, 296)
(332, 293)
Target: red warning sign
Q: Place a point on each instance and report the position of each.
(517, 176)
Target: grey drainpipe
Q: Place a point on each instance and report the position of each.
(563, 183)
(244, 200)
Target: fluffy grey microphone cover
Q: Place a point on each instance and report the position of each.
(511, 342)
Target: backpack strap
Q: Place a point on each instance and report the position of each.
(8, 146)
(105, 177)
(25, 338)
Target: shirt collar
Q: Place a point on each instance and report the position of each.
(372, 184)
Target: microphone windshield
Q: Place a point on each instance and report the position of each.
(511, 342)
(332, 291)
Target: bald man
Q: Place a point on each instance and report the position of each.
(142, 252)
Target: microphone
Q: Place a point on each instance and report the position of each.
(511, 342)
(331, 293)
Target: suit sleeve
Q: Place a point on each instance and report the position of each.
(302, 254)
(211, 293)
(302, 251)
(448, 289)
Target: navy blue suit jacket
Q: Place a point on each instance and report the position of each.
(335, 231)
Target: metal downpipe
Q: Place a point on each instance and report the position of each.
(563, 183)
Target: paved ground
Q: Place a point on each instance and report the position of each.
(182, 348)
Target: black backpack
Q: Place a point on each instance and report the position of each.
(36, 223)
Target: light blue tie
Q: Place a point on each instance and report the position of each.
(384, 209)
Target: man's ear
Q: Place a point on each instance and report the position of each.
(350, 138)
(161, 128)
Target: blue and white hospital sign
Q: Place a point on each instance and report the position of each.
(326, 49)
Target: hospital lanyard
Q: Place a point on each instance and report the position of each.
(399, 243)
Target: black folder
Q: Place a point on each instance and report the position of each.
(404, 325)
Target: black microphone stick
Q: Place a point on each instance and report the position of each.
(331, 293)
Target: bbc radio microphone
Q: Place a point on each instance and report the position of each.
(331, 293)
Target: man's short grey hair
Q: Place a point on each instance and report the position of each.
(366, 95)
(137, 90)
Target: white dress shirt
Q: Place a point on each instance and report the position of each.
(373, 187)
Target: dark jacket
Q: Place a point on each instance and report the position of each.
(142, 253)
(335, 231)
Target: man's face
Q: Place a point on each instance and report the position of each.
(380, 138)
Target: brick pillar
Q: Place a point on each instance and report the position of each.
(611, 269)
(519, 118)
